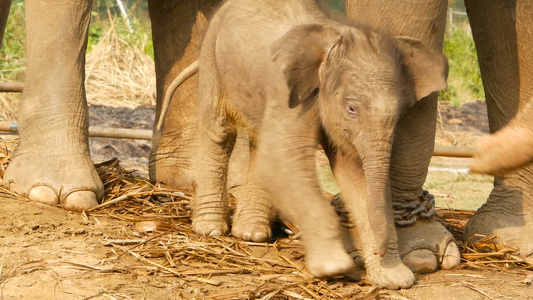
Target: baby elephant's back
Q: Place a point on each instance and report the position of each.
(245, 33)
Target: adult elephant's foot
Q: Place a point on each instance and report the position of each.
(254, 214)
(427, 246)
(51, 177)
(423, 243)
(424, 246)
(508, 214)
(171, 165)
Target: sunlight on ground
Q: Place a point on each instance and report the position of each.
(454, 188)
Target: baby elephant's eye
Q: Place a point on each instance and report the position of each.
(352, 112)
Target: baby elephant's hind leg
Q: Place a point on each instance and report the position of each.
(210, 208)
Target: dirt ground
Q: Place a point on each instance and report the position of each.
(48, 253)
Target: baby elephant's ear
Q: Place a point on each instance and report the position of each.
(299, 54)
(428, 67)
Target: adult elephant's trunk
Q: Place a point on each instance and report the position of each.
(509, 148)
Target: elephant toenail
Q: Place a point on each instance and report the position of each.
(421, 261)
(14, 187)
(452, 257)
(247, 236)
(260, 237)
(215, 232)
(80, 201)
(44, 195)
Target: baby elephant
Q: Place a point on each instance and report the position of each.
(293, 78)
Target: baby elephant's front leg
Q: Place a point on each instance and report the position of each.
(287, 172)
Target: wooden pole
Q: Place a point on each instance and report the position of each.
(453, 151)
(108, 132)
(11, 87)
(146, 134)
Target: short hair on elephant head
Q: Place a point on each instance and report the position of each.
(308, 50)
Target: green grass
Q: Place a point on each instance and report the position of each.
(464, 80)
(141, 34)
(13, 52)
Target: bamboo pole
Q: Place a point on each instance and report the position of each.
(108, 132)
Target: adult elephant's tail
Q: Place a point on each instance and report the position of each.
(184, 75)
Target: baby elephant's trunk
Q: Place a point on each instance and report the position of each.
(376, 162)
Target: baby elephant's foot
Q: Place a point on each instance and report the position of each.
(255, 228)
(210, 213)
(55, 179)
(209, 226)
(328, 261)
(254, 215)
(388, 272)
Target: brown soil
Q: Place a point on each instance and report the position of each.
(48, 253)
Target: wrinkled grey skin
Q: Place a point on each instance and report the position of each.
(51, 165)
(292, 78)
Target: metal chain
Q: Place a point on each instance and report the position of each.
(404, 213)
(407, 213)
(342, 212)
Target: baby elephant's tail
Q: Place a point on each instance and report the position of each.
(184, 75)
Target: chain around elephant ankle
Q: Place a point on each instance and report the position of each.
(406, 213)
(342, 212)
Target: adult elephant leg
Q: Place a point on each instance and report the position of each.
(426, 243)
(502, 33)
(4, 12)
(51, 164)
(177, 30)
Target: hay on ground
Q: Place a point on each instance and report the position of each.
(162, 241)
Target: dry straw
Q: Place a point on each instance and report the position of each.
(161, 241)
(117, 74)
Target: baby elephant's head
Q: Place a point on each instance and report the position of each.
(361, 81)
